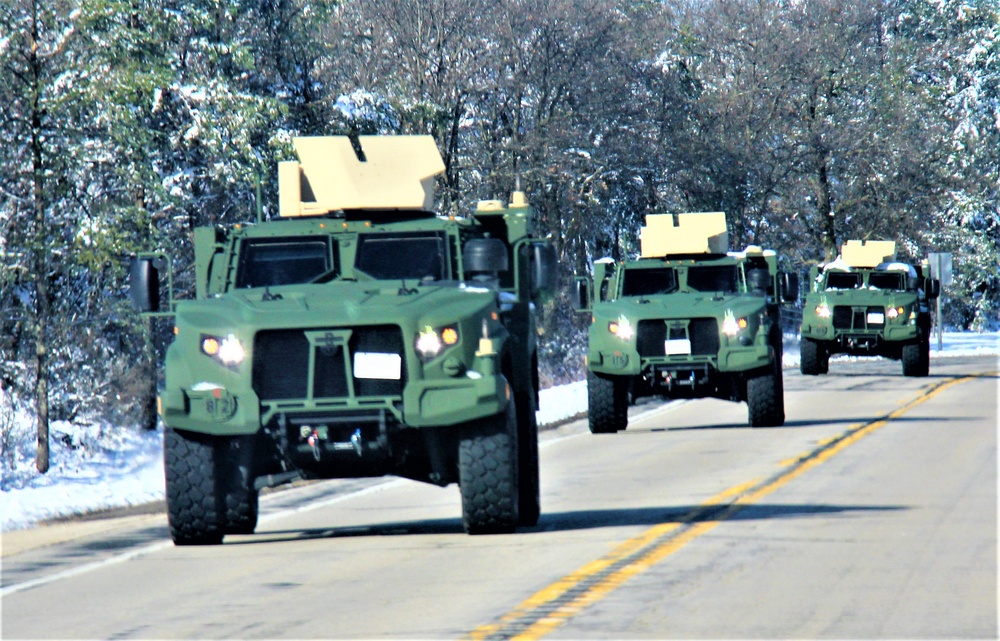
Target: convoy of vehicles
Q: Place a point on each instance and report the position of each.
(688, 319)
(362, 334)
(359, 335)
(867, 303)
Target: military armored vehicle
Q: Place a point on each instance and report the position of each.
(866, 303)
(359, 335)
(687, 319)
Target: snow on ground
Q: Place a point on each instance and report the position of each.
(96, 468)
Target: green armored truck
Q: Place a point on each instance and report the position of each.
(359, 335)
(866, 303)
(687, 319)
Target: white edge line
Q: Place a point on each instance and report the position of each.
(315, 505)
(160, 545)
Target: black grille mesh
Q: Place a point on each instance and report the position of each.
(281, 364)
(702, 332)
(856, 318)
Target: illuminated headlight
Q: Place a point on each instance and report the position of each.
(432, 341)
(893, 312)
(823, 311)
(731, 326)
(622, 329)
(227, 350)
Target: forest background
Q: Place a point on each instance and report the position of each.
(127, 123)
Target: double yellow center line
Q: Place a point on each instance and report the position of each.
(552, 606)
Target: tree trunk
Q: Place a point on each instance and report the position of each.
(825, 208)
(40, 268)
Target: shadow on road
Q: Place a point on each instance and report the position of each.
(847, 421)
(571, 521)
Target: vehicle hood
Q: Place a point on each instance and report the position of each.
(861, 297)
(338, 304)
(679, 306)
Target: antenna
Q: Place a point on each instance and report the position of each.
(258, 203)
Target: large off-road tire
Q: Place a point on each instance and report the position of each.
(241, 498)
(814, 359)
(607, 403)
(766, 399)
(487, 475)
(195, 506)
(528, 490)
(241, 512)
(917, 358)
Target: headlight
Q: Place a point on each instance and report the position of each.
(893, 312)
(621, 328)
(731, 326)
(432, 341)
(823, 311)
(226, 350)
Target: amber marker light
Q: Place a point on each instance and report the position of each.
(449, 336)
(210, 345)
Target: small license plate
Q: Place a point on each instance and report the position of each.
(677, 346)
(876, 318)
(377, 365)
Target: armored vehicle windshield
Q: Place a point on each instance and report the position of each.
(713, 278)
(891, 281)
(649, 282)
(843, 280)
(268, 262)
(411, 255)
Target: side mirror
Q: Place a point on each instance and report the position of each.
(485, 255)
(144, 284)
(581, 294)
(544, 269)
(789, 287)
(932, 287)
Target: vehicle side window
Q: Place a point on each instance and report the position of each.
(282, 261)
(649, 282)
(843, 280)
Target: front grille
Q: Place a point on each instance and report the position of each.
(281, 363)
(649, 340)
(384, 340)
(702, 332)
(856, 318)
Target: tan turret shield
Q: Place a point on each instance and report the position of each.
(386, 172)
(693, 233)
(860, 253)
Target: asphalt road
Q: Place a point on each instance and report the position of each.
(871, 514)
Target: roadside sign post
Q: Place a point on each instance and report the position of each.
(940, 263)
